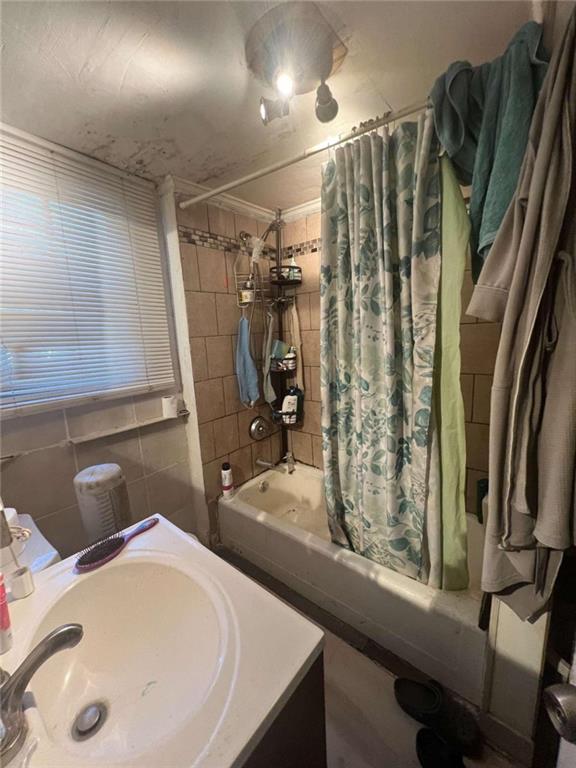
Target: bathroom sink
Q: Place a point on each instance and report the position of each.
(168, 664)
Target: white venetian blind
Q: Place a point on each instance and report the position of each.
(83, 306)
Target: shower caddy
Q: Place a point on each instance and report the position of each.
(269, 292)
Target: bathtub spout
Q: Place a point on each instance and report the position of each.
(290, 463)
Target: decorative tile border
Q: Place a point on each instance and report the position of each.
(301, 249)
(208, 240)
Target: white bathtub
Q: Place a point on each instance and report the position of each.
(278, 522)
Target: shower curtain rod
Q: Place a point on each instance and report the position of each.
(366, 127)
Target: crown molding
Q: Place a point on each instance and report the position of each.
(228, 202)
(304, 209)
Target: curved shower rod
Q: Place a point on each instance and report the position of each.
(365, 127)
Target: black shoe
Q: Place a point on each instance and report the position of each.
(427, 703)
(434, 752)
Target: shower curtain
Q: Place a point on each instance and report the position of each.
(380, 277)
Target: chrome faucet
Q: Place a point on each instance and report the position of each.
(290, 463)
(288, 460)
(14, 726)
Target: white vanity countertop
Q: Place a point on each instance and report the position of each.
(271, 648)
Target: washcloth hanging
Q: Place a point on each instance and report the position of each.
(269, 393)
(246, 372)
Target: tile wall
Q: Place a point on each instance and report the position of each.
(208, 249)
(479, 343)
(39, 482)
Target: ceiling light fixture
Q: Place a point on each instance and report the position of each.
(326, 104)
(285, 85)
(270, 109)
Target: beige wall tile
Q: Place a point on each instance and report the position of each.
(221, 222)
(219, 356)
(313, 226)
(195, 217)
(122, 449)
(294, 232)
(201, 310)
(314, 393)
(477, 446)
(212, 270)
(40, 483)
(302, 446)
(241, 463)
(467, 387)
(184, 519)
(245, 224)
(310, 263)
(231, 397)
(209, 400)
(226, 435)
(317, 451)
(189, 260)
(472, 477)
(207, 449)
(479, 344)
(303, 307)
(138, 496)
(212, 479)
(315, 311)
(64, 530)
(199, 359)
(262, 227)
(311, 347)
(147, 407)
(312, 418)
(467, 289)
(261, 450)
(163, 444)
(245, 417)
(100, 417)
(228, 314)
(482, 389)
(276, 447)
(169, 490)
(25, 433)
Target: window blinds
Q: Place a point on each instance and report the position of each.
(83, 308)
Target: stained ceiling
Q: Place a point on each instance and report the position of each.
(162, 87)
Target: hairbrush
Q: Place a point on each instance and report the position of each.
(103, 551)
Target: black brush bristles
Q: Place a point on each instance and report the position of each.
(99, 552)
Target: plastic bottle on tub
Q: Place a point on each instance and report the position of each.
(227, 480)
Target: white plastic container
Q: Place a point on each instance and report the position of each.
(103, 500)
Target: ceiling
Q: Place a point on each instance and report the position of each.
(162, 87)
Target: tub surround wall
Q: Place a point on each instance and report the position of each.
(154, 459)
(208, 249)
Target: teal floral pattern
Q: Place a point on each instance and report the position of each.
(379, 289)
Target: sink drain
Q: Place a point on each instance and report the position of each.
(89, 721)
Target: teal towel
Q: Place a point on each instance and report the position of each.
(482, 116)
(246, 372)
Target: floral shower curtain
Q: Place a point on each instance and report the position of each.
(381, 212)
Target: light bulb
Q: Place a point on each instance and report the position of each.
(263, 114)
(285, 85)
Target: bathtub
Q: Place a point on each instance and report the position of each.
(277, 521)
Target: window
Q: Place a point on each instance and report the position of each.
(83, 308)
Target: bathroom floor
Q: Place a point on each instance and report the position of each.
(360, 734)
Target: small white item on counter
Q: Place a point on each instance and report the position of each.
(227, 480)
(5, 625)
(21, 583)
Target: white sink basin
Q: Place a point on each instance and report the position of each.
(154, 641)
(176, 668)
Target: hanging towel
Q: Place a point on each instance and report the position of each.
(269, 393)
(297, 344)
(482, 116)
(246, 372)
